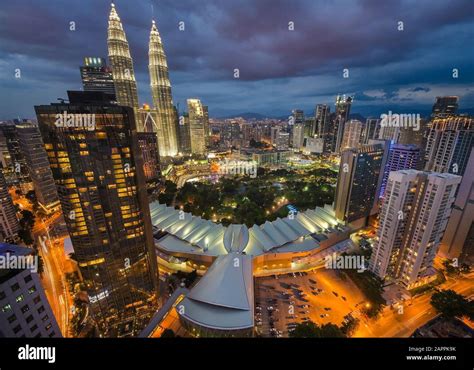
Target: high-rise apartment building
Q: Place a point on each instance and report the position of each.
(413, 218)
(357, 183)
(401, 157)
(24, 308)
(98, 168)
(97, 76)
(31, 144)
(449, 144)
(458, 238)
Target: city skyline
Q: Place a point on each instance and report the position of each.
(278, 169)
(404, 71)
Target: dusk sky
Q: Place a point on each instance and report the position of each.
(280, 70)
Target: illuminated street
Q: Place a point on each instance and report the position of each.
(417, 312)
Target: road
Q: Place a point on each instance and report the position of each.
(54, 280)
(416, 312)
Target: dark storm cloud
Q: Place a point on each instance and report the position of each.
(279, 69)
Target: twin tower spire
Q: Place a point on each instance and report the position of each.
(126, 84)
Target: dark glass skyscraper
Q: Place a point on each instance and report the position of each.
(343, 109)
(94, 154)
(445, 106)
(357, 182)
(37, 163)
(97, 76)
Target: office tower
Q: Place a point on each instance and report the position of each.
(184, 139)
(98, 169)
(97, 76)
(230, 135)
(343, 108)
(31, 144)
(357, 182)
(321, 121)
(16, 172)
(298, 136)
(24, 309)
(445, 106)
(414, 215)
(122, 63)
(309, 124)
(458, 238)
(401, 157)
(198, 126)
(352, 134)
(148, 145)
(161, 95)
(371, 130)
(449, 144)
(9, 225)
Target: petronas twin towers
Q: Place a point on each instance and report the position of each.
(126, 84)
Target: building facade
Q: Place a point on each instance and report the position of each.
(358, 181)
(37, 163)
(97, 76)
(413, 218)
(24, 309)
(98, 171)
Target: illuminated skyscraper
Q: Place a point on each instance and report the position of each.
(98, 169)
(357, 182)
(31, 144)
(343, 108)
(122, 64)
(9, 225)
(413, 218)
(449, 144)
(445, 106)
(352, 134)
(97, 76)
(198, 126)
(161, 95)
(321, 120)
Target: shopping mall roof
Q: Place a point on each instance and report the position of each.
(186, 233)
(223, 298)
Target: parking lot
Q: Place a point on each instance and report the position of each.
(322, 296)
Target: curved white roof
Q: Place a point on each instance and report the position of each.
(223, 298)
